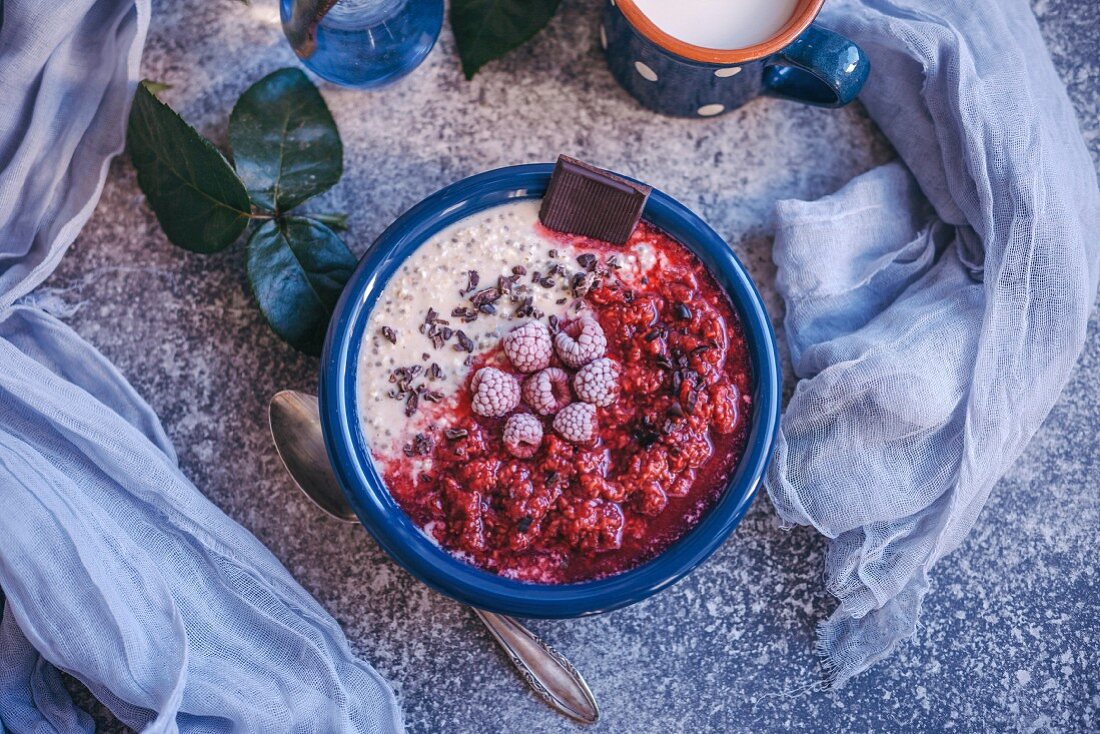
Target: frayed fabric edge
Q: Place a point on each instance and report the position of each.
(837, 673)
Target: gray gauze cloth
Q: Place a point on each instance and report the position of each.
(115, 567)
(934, 306)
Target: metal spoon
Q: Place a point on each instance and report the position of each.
(296, 427)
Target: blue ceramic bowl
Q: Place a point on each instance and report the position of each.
(396, 533)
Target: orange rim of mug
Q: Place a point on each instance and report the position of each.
(800, 20)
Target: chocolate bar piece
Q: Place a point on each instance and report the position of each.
(590, 201)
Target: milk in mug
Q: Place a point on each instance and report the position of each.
(719, 24)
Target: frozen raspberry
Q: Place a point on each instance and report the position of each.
(529, 346)
(580, 342)
(547, 391)
(496, 393)
(598, 382)
(576, 422)
(522, 435)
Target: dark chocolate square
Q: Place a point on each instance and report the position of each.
(590, 201)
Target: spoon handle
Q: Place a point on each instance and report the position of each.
(549, 674)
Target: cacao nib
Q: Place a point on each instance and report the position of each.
(465, 343)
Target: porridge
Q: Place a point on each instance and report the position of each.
(550, 407)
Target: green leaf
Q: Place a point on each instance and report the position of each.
(297, 268)
(336, 220)
(487, 29)
(198, 199)
(155, 87)
(285, 142)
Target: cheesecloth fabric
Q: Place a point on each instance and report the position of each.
(934, 307)
(115, 567)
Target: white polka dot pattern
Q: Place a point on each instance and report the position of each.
(645, 72)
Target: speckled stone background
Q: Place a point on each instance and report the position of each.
(1010, 634)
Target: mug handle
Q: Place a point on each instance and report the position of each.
(820, 67)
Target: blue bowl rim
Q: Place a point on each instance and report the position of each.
(392, 528)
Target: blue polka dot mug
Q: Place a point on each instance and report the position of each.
(802, 62)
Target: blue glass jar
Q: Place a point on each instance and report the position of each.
(361, 43)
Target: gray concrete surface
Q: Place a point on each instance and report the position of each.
(1009, 634)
